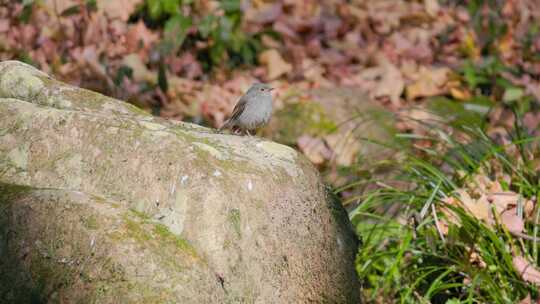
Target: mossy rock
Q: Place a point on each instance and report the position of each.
(104, 204)
(354, 127)
(297, 119)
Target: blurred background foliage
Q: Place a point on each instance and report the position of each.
(222, 32)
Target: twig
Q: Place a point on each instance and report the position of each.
(525, 236)
(437, 223)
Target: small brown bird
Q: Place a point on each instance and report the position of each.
(252, 111)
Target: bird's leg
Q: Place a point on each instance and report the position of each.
(247, 132)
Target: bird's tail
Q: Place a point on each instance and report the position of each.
(226, 125)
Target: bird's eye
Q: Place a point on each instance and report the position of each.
(262, 90)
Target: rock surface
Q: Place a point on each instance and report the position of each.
(102, 203)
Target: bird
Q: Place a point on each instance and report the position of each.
(252, 111)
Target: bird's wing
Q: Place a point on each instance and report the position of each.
(237, 111)
(239, 108)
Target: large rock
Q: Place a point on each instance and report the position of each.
(102, 203)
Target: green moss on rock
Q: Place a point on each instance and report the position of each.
(90, 222)
(9, 192)
(163, 232)
(234, 218)
(297, 119)
(136, 231)
(143, 229)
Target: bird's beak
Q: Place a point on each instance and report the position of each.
(271, 89)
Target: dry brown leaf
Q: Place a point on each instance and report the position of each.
(139, 37)
(480, 183)
(503, 200)
(460, 93)
(533, 88)
(382, 81)
(531, 121)
(270, 42)
(528, 208)
(4, 25)
(59, 6)
(140, 72)
(526, 270)
(345, 147)
(526, 300)
(314, 72)
(475, 258)
(276, 66)
(118, 9)
(391, 84)
(512, 221)
(263, 13)
(314, 149)
(285, 30)
(506, 44)
(478, 208)
(432, 7)
(88, 56)
(431, 82)
(449, 216)
(386, 14)
(215, 102)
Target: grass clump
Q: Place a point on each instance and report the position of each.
(458, 223)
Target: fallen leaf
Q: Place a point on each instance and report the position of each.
(118, 9)
(382, 81)
(4, 25)
(478, 208)
(531, 121)
(314, 149)
(512, 221)
(506, 44)
(526, 300)
(285, 30)
(531, 86)
(276, 66)
(96, 30)
(512, 94)
(265, 13)
(386, 14)
(313, 72)
(139, 37)
(432, 7)
(430, 82)
(140, 72)
(475, 258)
(460, 93)
(528, 208)
(526, 270)
(449, 216)
(269, 42)
(345, 147)
(59, 6)
(503, 200)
